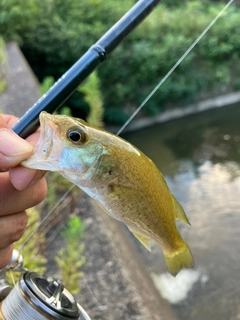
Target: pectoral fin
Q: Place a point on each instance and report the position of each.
(144, 240)
(105, 210)
(179, 212)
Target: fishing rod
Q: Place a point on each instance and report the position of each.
(95, 55)
(37, 296)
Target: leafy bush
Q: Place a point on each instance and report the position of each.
(54, 34)
(115, 115)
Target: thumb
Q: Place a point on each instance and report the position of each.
(13, 149)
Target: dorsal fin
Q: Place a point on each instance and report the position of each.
(144, 240)
(179, 212)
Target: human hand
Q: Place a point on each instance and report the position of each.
(20, 188)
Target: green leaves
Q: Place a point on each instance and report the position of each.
(46, 84)
(93, 97)
(74, 229)
(3, 66)
(70, 259)
(54, 34)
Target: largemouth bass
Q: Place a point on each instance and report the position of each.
(124, 181)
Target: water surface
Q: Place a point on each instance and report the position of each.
(199, 156)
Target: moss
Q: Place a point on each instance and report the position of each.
(3, 85)
(3, 66)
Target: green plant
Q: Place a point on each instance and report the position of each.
(46, 84)
(56, 186)
(54, 34)
(93, 96)
(70, 259)
(66, 110)
(3, 66)
(3, 85)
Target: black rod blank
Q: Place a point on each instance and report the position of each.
(96, 54)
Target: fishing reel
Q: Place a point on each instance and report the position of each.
(36, 297)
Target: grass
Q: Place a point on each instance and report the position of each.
(3, 66)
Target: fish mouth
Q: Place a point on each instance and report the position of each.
(46, 154)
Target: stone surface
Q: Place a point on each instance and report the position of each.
(22, 89)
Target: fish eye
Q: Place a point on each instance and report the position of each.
(76, 135)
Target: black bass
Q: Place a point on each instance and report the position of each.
(124, 181)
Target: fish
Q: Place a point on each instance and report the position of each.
(121, 178)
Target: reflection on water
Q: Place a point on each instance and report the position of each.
(200, 159)
(177, 289)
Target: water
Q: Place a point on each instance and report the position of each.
(200, 158)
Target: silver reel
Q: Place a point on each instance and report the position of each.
(36, 297)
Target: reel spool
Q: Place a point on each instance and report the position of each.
(37, 297)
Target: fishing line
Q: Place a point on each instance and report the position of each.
(86, 316)
(141, 106)
(46, 217)
(12, 277)
(173, 68)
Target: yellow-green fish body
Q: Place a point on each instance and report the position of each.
(124, 181)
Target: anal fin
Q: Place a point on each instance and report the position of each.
(144, 240)
(179, 212)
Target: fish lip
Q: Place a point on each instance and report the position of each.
(44, 146)
(45, 141)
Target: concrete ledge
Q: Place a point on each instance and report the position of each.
(23, 88)
(176, 113)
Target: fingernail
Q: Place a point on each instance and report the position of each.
(12, 145)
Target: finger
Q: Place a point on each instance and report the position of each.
(33, 138)
(21, 177)
(13, 149)
(5, 256)
(7, 121)
(19, 200)
(12, 228)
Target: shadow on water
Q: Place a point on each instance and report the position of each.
(200, 158)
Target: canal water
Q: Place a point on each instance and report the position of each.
(199, 156)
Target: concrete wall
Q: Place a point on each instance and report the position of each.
(22, 89)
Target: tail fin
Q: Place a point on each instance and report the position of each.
(177, 260)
